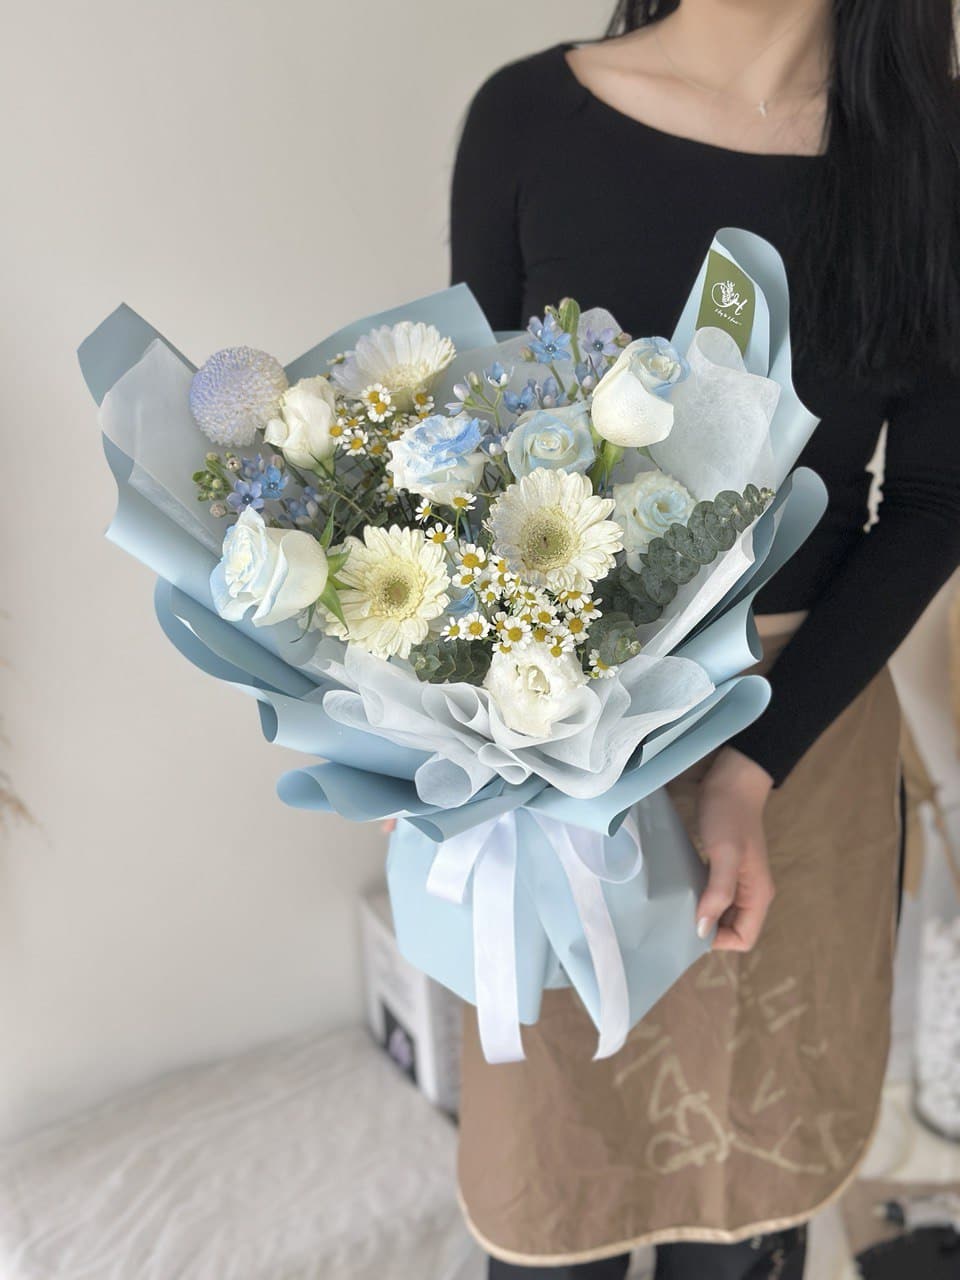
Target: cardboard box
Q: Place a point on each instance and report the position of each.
(415, 1019)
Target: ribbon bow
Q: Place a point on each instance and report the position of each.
(487, 854)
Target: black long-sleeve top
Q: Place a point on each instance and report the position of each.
(556, 193)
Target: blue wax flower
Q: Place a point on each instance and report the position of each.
(549, 342)
(599, 343)
(273, 484)
(246, 493)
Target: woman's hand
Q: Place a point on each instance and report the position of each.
(740, 889)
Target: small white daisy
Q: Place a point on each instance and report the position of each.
(440, 534)
(471, 556)
(424, 510)
(422, 404)
(378, 402)
(511, 629)
(453, 630)
(463, 501)
(561, 643)
(599, 670)
(475, 626)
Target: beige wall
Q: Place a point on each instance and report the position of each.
(238, 172)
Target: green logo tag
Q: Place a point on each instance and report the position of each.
(729, 299)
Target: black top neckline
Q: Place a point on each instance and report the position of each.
(588, 97)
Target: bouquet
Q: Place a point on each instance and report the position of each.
(500, 585)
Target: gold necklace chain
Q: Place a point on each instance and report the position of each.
(724, 90)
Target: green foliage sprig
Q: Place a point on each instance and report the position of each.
(679, 555)
(450, 661)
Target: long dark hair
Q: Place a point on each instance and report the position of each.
(876, 267)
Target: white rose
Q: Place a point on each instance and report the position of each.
(531, 688)
(646, 507)
(624, 409)
(279, 571)
(302, 432)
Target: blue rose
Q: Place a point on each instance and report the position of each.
(551, 438)
(439, 457)
(658, 364)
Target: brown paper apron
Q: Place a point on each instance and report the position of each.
(746, 1098)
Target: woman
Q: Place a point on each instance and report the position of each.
(747, 1097)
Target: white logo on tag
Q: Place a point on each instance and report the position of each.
(727, 301)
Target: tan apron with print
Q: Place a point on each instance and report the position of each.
(747, 1096)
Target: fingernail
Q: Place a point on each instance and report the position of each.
(703, 926)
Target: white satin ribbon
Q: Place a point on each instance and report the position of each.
(488, 854)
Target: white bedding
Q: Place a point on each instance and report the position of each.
(313, 1159)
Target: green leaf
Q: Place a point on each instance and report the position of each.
(450, 661)
(330, 600)
(614, 636)
(327, 536)
(678, 556)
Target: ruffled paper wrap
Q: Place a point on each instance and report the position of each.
(517, 863)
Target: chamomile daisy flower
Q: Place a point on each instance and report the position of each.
(454, 629)
(474, 626)
(440, 534)
(575, 626)
(424, 510)
(599, 670)
(472, 557)
(378, 402)
(559, 643)
(553, 531)
(354, 441)
(463, 501)
(422, 404)
(510, 628)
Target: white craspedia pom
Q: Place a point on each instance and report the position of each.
(236, 393)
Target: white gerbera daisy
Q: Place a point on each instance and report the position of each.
(406, 358)
(395, 585)
(552, 530)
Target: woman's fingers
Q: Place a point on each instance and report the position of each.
(388, 825)
(740, 926)
(721, 887)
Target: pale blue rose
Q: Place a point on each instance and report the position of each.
(551, 438)
(658, 364)
(439, 457)
(646, 507)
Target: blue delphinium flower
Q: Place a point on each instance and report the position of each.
(246, 493)
(549, 342)
(273, 484)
